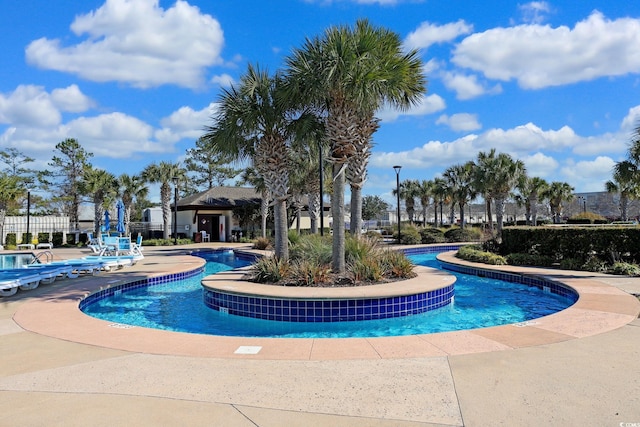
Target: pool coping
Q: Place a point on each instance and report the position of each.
(600, 308)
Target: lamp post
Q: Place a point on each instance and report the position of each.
(397, 169)
(175, 210)
(28, 214)
(321, 190)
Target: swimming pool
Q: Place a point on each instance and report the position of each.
(178, 306)
(15, 260)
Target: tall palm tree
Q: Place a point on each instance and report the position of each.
(440, 197)
(357, 170)
(556, 194)
(626, 181)
(132, 188)
(460, 179)
(425, 193)
(408, 192)
(10, 190)
(163, 173)
(348, 73)
(497, 175)
(250, 176)
(102, 187)
(530, 189)
(257, 121)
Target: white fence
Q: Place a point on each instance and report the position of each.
(37, 224)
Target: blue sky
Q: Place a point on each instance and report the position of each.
(553, 83)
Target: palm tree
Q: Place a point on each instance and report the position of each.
(424, 193)
(496, 176)
(440, 197)
(102, 187)
(625, 181)
(163, 173)
(132, 188)
(250, 176)
(357, 171)
(257, 121)
(347, 74)
(530, 189)
(556, 193)
(408, 193)
(459, 180)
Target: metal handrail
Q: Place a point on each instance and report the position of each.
(47, 254)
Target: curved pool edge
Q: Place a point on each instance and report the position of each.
(54, 312)
(228, 292)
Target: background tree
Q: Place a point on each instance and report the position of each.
(68, 165)
(9, 191)
(208, 168)
(250, 176)
(348, 73)
(556, 194)
(626, 181)
(163, 173)
(441, 197)
(102, 188)
(460, 182)
(373, 207)
(424, 192)
(132, 189)
(529, 192)
(408, 193)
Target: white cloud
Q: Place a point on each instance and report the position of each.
(467, 86)
(427, 34)
(540, 165)
(29, 105)
(427, 105)
(185, 123)
(137, 42)
(222, 80)
(71, 99)
(462, 122)
(590, 174)
(538, 56)
(535, 11)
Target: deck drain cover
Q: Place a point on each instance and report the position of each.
(248, 349)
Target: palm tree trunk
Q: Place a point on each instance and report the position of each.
(499, 215)
(338, 263)
(165, 196)
(314, 209)
(534, 210)
(461, 204)
(280, 222)
(489, 214)
(356, 211)
(624, 203)
(264, 211)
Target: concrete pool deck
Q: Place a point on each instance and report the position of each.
(61, 367)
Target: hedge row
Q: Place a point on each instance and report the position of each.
(581, 243)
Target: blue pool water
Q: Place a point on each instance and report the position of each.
(17, 260)
(178, 306)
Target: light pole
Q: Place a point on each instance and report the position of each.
(321, 190)
(28, 215)
(175, 210)
(397, 169)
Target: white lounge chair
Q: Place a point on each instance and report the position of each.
(11, 280)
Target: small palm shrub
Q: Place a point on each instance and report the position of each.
(625, 269)
(305, 272)
(432, 235)
(262, 243)
(358, 249)
(294, 237)
(269, 270)
(595, 264)
(397, 264)
(313, 248)
(366, 270)
(571, 263)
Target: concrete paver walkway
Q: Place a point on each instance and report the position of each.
(92, 379)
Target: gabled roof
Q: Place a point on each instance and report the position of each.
(221, 198)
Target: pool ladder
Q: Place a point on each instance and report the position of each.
(48, 255)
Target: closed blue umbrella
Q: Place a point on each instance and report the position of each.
(107, 223)
(120, 225)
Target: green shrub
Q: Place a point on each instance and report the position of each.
(27, 238)
(463, 234)
(56, 238)
(571, 264)
(366, 269)
(11, 240)
(432, 235)
(43, 237)
(167, 242)
(293, 237)
(474, 253)
(359, 249)
(529, 259)
(624, 269)
(595, 264)
(410, 236)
